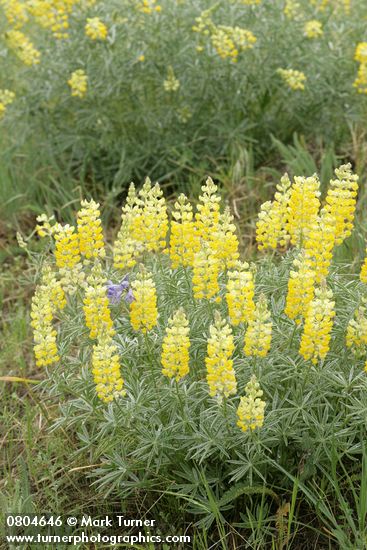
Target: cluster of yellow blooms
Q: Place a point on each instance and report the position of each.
(6, 98)
(295, 79)
(16, 12)
(78, 83)
(356, 338)
(240, 294)
(22, 47)
(148, 6)
(144, 312)
(52, 15)
(318, 324)
(316, 231)
(251, 409)
(227, 41)
(221, 377)
(90, 231)
(197, 243)
(361, 56)
(171, 84)
(259, 331)
(313, 29)
(47, 300)
(96, 29)
(176, 345)
(184, 243)
(271, 227)
(292, 9)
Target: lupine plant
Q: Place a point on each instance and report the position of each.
(188, 371)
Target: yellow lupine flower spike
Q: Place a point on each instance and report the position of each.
(221, 376)
(151, 226)
(176, 345)
(184, 242)
(251, 409)
(96, 308)
(106, 369)
(90, 231)
(95, 29)
(126, 248)
(316, 335)
(207, 215)
(259, 331)
(206, 269)
(301, 288)
(240, 294)
(341, 201)
(356, 337)
(303, 207)
(319, 242)
(271, 227)
(225, 241)
(143, 309)
(48, 298)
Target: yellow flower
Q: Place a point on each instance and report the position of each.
(361, 81)
(271, 227)
(316, 335)
(207, 215)
(251, 409)
(363, 273)
(176, 345)
(48, 298)
(149, 224)
(52, 15)
(228, 42)
(292, 9)
(78, 83)
(361, 52)
(184, 241)
(221, 377)
(240, 294)
(6, 97)
(95, 29)
(313, 29)
(356, 337)
(225, 242)
(301, 287)
(67, 255)
(171, 84)
(319, 242)
(22, 47)
(143, 310)
(15, 12)
(303, 207)
(67, 252)
(206, 268)
(96, 310)
(259, 331)
(90, 231)
(148, 6)
(127, 249)
(106, 369)
(295, 79)
(341, 201)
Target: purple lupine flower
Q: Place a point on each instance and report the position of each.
(129, 297)
(114, 291)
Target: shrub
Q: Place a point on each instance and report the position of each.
(185, 371)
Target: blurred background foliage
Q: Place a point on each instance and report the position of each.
(176, 91)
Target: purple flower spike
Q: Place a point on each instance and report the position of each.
(129, 296)
(114, 292)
